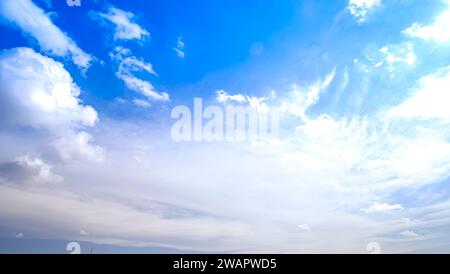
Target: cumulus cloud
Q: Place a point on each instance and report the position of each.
(33, 22)
(78, 145)
(438, 31)
(37, 92)
(123, 23)
(382, 208)
(360, 8)
(128, 64)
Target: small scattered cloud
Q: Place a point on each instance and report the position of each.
(123, 22)
(179, 48)
(258, 103)
(33, 21)
(399, 54)
(128, 65)
(409, 234)
(392, 59)
(222, 97)
(383, 208)
(360, 8)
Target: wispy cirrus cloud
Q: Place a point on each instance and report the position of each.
(128, 65)
(34, 22)
(123, 24)
(179, 47)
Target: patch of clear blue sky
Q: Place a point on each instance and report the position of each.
(302, 41)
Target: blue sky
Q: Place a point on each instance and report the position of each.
(86, 95)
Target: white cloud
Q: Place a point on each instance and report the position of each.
(409, 234)
(179, 48)
(438, 31)
(382, 208)
(128, 64)
(143, 87)
(255, 102)
(222, 97)
(301, 99)
(36, 92)
(393, 59)
(110, 221)
(322, 173)
(78, 145)
(124, 26)
(360, 8)
(429, 101)
(401, 53)
(34, 22)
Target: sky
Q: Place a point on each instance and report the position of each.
(87, 100)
